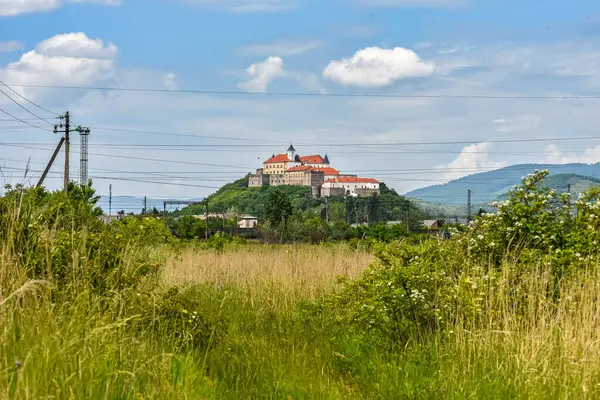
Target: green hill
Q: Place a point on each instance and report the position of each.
(390, 205)
(493, 185)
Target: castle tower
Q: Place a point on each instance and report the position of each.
(291, 153)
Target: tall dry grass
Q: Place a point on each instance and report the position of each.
(291, 273)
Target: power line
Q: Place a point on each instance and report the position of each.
(23, 121)
(20, 105)
(29, 101)
(307, 94)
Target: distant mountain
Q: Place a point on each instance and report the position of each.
(493, 185)
(132, 204)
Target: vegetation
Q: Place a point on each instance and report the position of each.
(494, 185)
(506, 309)
(237, 195)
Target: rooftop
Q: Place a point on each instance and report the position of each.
(299, 169)
(279, 158)
(353, 180)
(327, 171)
(313, 159)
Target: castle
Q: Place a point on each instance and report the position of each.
(314, 171)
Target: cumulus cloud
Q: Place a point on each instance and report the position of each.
(10, 46)
(555, 156)
(473, 158)
(377, 67)
(70, 58)
(16, 7)
(261, 74)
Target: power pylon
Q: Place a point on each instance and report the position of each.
(84, 133)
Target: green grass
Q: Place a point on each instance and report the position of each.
(94, 311)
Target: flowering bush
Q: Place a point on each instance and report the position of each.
(536, 222)
(423, 287)
(410, 288)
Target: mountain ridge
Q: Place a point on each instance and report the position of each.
(493, 185)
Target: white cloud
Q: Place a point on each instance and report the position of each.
(473, 158)
(16, 7)
(377, 67)
(70, 58)
(280, 47)
(588, 156)
(170, 82)
(261, 74)
(10, 46)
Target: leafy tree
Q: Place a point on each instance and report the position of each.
(278, 208)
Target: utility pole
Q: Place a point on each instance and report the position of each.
(67, 130)
(83, 160)
(41, 181)
(206, 220)
(408, 216)
(145, 205)
(110, 200)
(469, 215)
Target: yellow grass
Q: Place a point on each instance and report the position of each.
(300, 271)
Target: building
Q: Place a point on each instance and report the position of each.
(313, 171)
(315, 161)
(350, 186)
(280, 163)
(328, 172)
(247, 222)
(259, 179)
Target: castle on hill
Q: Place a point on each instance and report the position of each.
(313, 171)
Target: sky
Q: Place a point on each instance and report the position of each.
(411, 92)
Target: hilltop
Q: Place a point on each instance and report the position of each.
(493, 185)
(251, 200)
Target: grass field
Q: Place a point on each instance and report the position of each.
(260, 344)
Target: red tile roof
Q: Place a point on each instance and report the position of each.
(353, 180)
(327, 171)
(279, 158)
(314, 159)
(299, 169)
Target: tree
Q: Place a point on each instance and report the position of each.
(278, 208)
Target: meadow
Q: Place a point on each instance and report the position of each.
(126, 311)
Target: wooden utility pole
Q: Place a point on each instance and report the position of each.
(110, 200)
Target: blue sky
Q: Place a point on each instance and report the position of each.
(437, 49)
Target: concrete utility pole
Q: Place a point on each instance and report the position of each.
(41, 181)
(145, 205)
(469, 214)
(67, 131)
(110, 200)
(206, 221)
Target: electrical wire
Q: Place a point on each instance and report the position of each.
(23, 121)
(308, 94)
